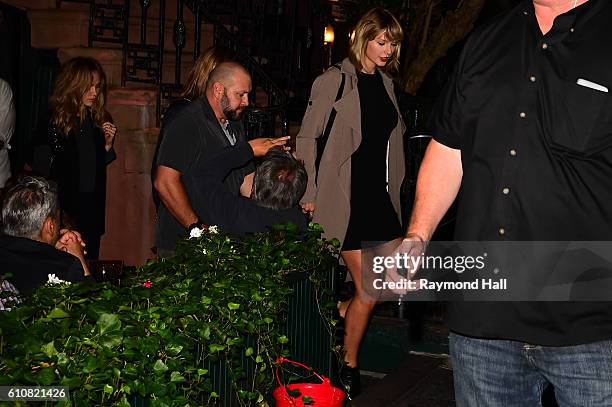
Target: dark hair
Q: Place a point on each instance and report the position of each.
(280, 180)
(27, 204)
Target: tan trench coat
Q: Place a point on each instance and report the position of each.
(331, 193)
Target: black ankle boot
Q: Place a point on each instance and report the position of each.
(350, 380)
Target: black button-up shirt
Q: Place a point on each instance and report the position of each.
(532, 116)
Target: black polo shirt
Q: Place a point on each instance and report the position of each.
(532, 116)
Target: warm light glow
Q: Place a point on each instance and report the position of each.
(352, 35)
(328, 35)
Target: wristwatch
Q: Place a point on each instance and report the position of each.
(195, 225)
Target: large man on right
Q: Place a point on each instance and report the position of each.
(523, 137)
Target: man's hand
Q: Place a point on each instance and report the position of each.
(109, 135)
(70, 241)
(66, 235)
(261, 146)
(308, 208)
(411, 249)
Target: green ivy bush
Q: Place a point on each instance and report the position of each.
(150, 337)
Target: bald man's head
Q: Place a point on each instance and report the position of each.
(228, 90)
(227, 73)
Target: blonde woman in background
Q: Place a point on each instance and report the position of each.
(354, 195)
(80, 135)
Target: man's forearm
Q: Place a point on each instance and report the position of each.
(173, 196)
(437, 186)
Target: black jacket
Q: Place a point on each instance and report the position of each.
(237, 215)
(60, 160)
(31, 262)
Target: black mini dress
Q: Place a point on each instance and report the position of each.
(372, 217)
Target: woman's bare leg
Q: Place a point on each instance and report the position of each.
(358, 311)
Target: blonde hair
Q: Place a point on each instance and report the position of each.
(204, 65)
(369, 26)
(73, 80)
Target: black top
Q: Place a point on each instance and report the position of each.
(237, 215)
(31, 262)
(78, 163)
(171, 113)
(190, 139)
(373, 218)
(536, 155)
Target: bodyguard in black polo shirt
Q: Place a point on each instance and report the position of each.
(523, 137)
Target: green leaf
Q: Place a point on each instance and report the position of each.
(283, 339)
(206, 300)
(216, 347)
(108, 323)
(49, 349)
(45, 376)
(174, 349)
(258, 359)
(111, 341)
(62, 359)
(116, 372)
(307, 400)
(202, 372)
(176, 377)
(108, 389)
(58, 313)
(91, 364)
(233, 306)
(248, 351)
(159, 367)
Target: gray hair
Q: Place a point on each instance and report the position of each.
(26, 205)
(280, 180)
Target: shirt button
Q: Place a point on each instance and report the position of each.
(506, 191)
(502, 231)
(544, 46)
(522, 115)
(532, 78)
(513, 152)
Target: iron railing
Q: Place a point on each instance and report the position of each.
(143, 54)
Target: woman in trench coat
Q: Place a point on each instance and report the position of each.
(354, 194)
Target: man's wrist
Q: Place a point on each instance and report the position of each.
(197, 224)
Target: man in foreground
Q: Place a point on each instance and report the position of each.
(33, 248)
(523, 133)
(279, 184)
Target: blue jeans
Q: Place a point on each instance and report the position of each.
(500, 373)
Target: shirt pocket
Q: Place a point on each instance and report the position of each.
(575, 120)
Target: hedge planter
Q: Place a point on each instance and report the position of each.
(201, 328)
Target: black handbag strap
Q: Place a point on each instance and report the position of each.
(322, 141)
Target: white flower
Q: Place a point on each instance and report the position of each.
(204, 251)
(195, 232)
(52, 280)
(213, 229)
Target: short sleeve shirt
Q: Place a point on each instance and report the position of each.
(532, 116)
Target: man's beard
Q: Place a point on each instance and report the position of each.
(228, 112)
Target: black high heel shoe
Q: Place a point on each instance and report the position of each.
(350, 380)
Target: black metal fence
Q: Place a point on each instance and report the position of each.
(139, 28)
